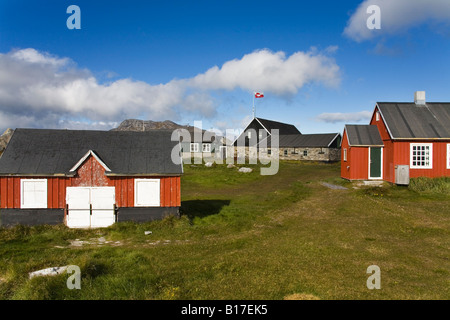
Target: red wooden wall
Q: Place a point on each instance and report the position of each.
(90, 174)
(357, 161)
(397, 152)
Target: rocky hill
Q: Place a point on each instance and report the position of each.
(146, 125)
(4, 139)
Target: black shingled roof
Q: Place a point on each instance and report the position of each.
(363, 135)
(415, 121)
(55, 152)
(283, 128)
(320, 140)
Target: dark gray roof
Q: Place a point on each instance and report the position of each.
(50, 152)
(321, 140)
(283, 128)
(363, 135)
(412, 121)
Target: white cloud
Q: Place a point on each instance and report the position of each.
(345, 117)
(271, 72)
(396, 16)
(38, 89)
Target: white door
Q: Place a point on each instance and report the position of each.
(90, 207)
(102, 201)
(79, 207)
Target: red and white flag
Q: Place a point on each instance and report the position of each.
(259, 95)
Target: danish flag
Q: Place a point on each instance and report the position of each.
(259, 95)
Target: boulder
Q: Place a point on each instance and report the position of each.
(48, 272)
(245, 170)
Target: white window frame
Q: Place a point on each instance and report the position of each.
(194, 147)
(345, 154)
(377, 116)
(305, 153)
(448, 156)
(33, 205)
(208, 147)
(141, 202)
(249, 134)
(430, 156)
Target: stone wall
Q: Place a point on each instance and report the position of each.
(307, 154)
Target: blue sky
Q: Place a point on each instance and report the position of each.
(317, 63)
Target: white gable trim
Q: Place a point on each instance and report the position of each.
(384, 121)
(263, 126)
(89, 153)
(338, 134)
(346, 135)
(243, 132)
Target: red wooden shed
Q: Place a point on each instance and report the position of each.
(88, 178)
(415, 142)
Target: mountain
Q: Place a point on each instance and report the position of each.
(148, 125)
(145, 125)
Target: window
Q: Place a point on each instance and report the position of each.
(146, 192)
(269, 151)
(421, 156)
(249, 134)
(206, 147)
(305, 153)
(33, 193)
(448, 156)
(194, 147)
(345, 154)
(285, 152)
(377, 116)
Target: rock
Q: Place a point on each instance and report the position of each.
(208, 164)
(230, 166)
(333, 186)
(48, 272)
(147, 233)
(245, 170)
(76, 243)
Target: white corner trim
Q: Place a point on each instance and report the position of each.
(448, 155)
(89, 153)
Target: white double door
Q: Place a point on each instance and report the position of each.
(90, 207)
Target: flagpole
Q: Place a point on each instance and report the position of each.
(254, 105)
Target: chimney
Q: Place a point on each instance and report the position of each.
(419, 97)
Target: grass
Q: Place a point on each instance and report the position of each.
(431, 185)
(247, 236)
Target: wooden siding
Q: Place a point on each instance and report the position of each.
(402, 151)
(90, 174)
(357, 161)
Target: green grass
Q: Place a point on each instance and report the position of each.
(431, 185)
(247, 236)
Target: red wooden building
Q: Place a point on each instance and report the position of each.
(403, 139)
(88, 178)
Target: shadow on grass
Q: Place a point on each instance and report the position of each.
(202, 208)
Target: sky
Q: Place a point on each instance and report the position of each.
(320, 64)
